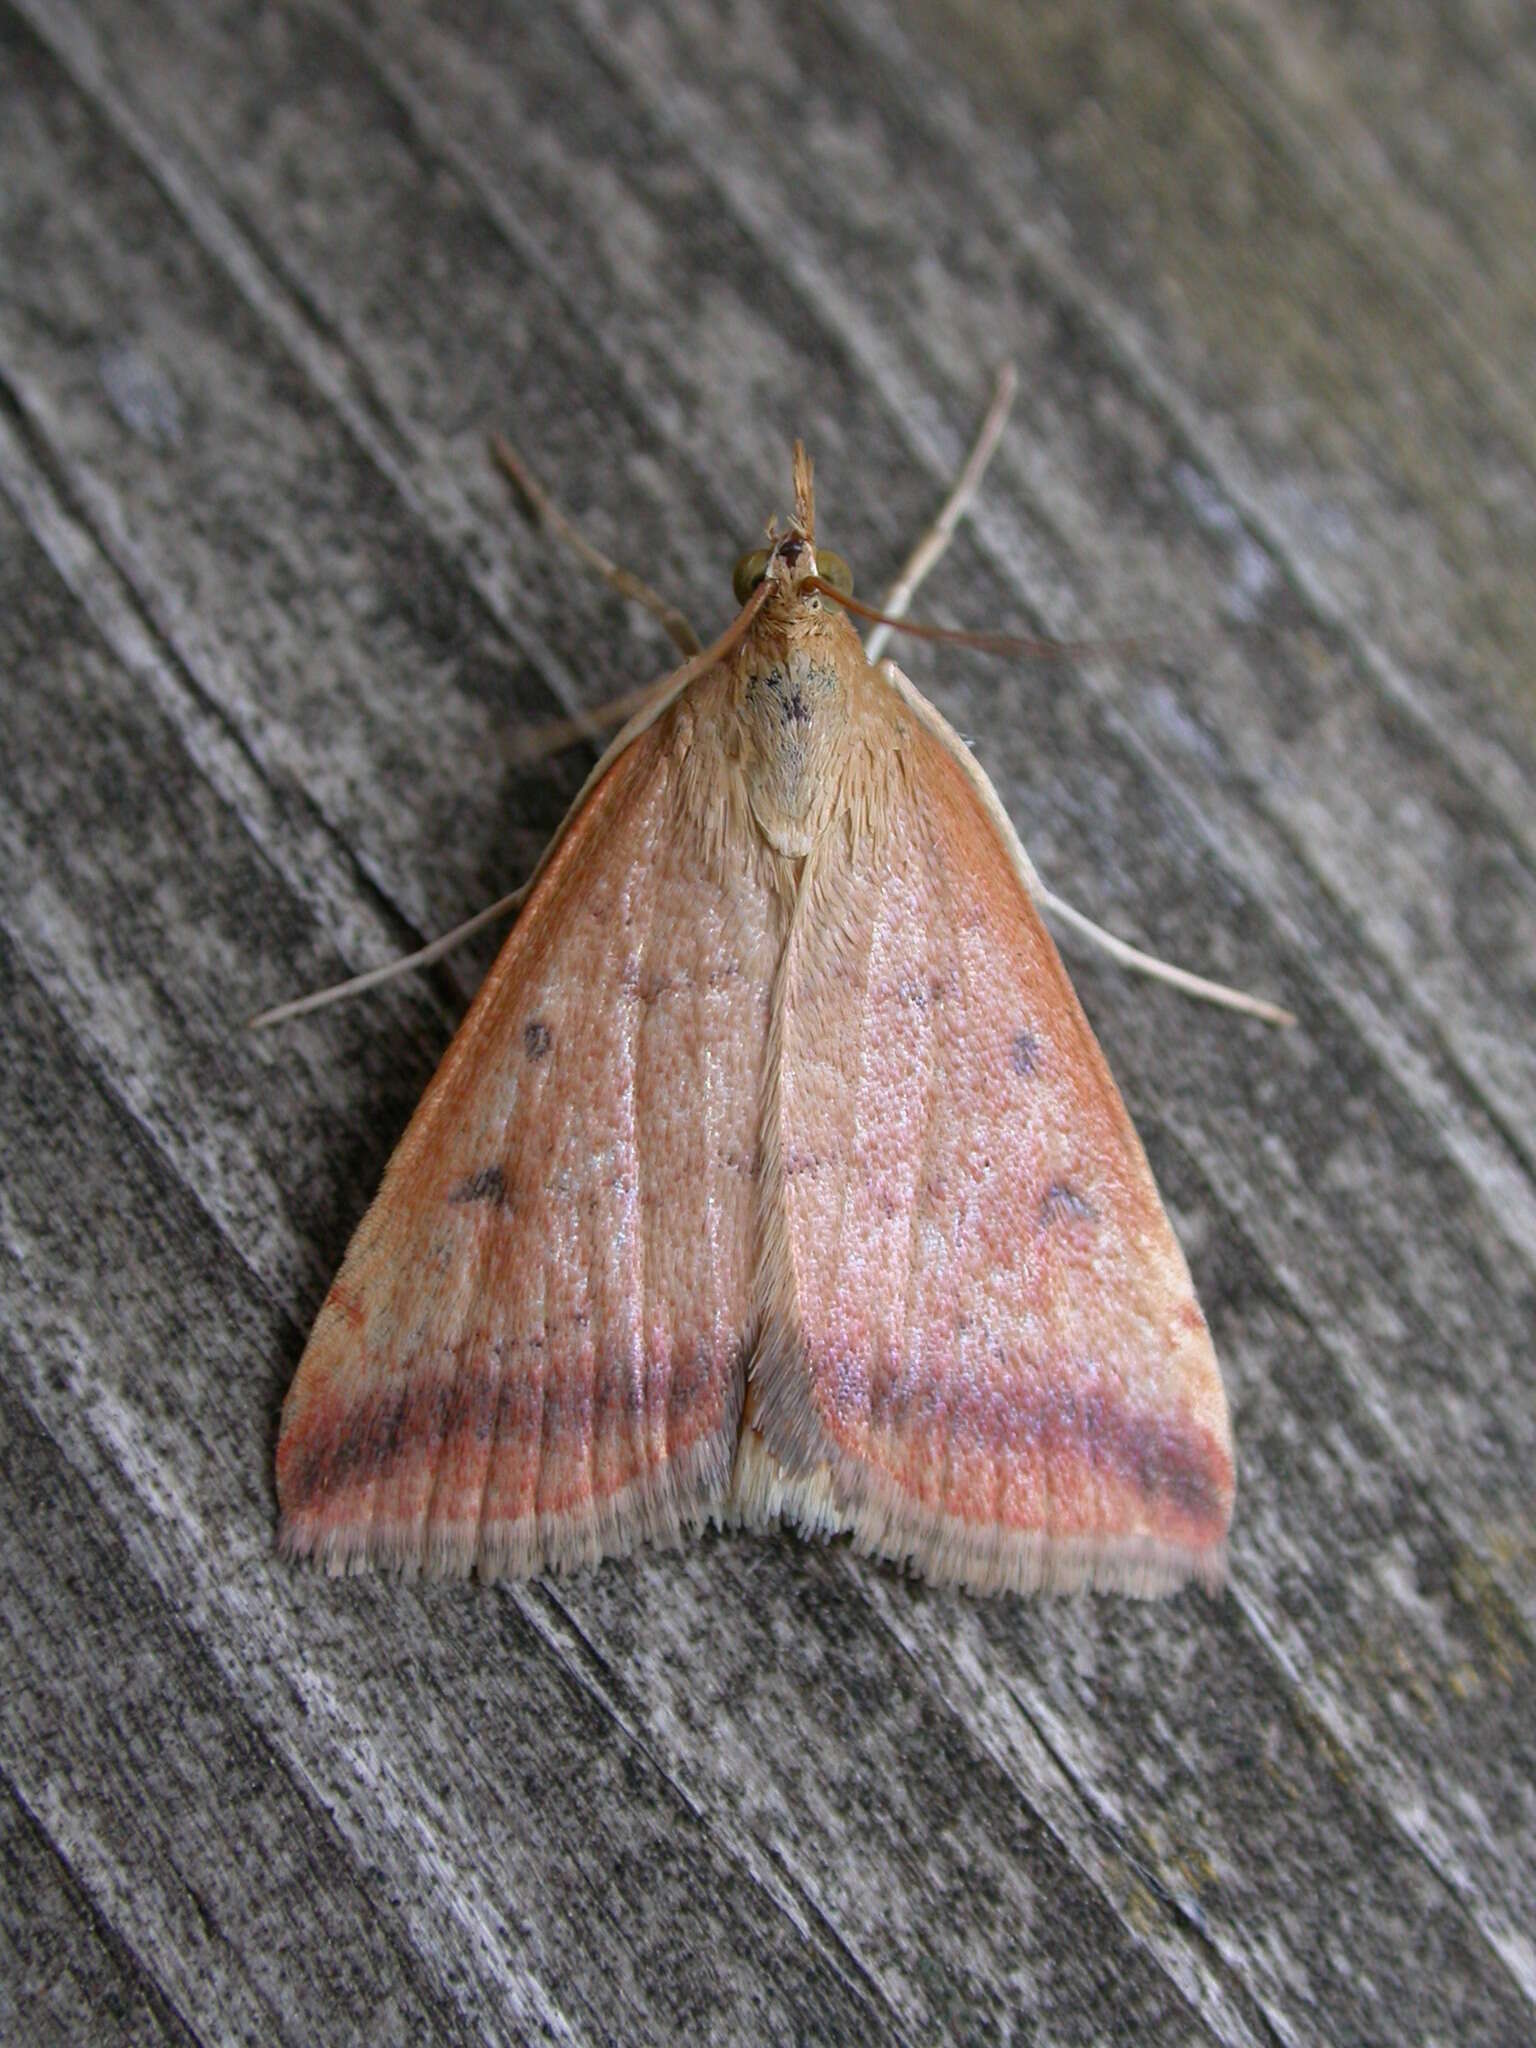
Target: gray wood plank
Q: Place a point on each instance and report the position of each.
(268, 640)
(68, 1974)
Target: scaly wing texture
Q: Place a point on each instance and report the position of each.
(981, 1349)
(535, 1349)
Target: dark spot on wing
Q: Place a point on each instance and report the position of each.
(488, 1185)
(537, 1039)
(651, 987)
(1061, 1200)
(912, 990)
(1025, 1052)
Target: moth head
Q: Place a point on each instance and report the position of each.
(789, 562)
(792, 558)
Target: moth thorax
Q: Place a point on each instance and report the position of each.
(795, 709)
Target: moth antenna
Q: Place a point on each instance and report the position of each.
(339, 991)
(805, 494)
(1162, 970)
(933, 543)
(1032, 646)
(543, 511)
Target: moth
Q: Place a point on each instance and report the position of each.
(775, 1175)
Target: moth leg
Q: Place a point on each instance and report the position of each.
(1196, 985)
(931, 547)
(1029, 875)
(644, 705)
(543, 511)
(554, 735)
(342, 991)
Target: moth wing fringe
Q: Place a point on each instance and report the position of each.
(948, 1552)
(785, 1470)
(660, 1508)
(987, 1558)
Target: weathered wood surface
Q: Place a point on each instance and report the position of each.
(268, 636)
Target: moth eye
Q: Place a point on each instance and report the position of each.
(834, 570)
(748, 573)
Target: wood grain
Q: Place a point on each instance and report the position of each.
(269, 635)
